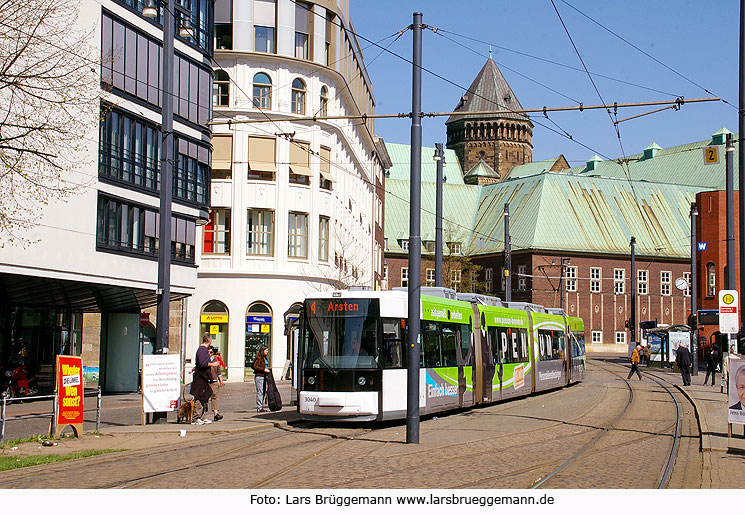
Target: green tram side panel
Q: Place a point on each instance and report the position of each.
(437, 309)
(506, 317)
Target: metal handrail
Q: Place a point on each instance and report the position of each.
(3, 409)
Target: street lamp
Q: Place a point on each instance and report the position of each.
(439, 158)
(150, 10)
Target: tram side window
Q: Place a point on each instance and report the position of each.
(465, 343)
(394, 344)
(558, 345)
(551, 344)
(430, 345)
(449, 345)
(544, 345)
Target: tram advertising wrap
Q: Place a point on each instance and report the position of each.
(474, 349)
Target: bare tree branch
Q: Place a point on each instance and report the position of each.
(50, 97)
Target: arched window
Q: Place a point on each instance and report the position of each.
(324, 101)
(711, 280)
(214, 320)
(262, 91)
(298, 96)
(258, 333)
(221, 89)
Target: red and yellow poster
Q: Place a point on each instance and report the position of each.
(69, 390)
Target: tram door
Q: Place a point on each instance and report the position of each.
(497, 367)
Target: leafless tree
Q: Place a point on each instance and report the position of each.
(49, 102)
(349, 263)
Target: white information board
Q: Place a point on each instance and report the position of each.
(161, 381)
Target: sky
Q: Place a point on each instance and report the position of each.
(692, 47)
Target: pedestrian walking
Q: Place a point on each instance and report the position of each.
(711, 366)
(216, 382)
(261, 370)
(683, 360)
(200, 384)
(635, 363)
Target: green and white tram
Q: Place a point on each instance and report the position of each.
(474, 350)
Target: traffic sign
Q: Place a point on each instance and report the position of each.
(711, 155)
(728, 318)
(144, 319)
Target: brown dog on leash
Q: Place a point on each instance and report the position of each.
(184, 412)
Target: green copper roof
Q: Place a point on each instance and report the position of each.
(481, 169)
(682, 164)
(401, 159)
(459, 203)
(534, 168)
(574, 213)
(575, 210)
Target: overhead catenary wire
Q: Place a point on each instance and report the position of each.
(671, 103)
(645, 53)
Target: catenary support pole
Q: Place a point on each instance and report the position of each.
(632, 315)
(440, 157)
(166, 184)
(415, 239)
(741, 164)
(507, 255)
(730, 192)
(694, 286)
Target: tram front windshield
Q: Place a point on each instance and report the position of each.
(341, 333)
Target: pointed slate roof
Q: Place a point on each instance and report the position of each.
(488, 92)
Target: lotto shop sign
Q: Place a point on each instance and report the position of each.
(69, 390)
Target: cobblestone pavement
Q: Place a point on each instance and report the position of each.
(509, 445)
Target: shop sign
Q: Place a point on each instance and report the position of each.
(160, 382)
(259, 319)
(69, 386)
(214, 329)
(214, 319)
(266, 328)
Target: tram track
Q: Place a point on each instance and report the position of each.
(669, 461)
(132, 459)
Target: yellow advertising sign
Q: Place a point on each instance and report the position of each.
(266, 328)
(214, 319)
(214, 329)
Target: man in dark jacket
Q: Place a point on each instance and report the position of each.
(200, 383)
(683, 360)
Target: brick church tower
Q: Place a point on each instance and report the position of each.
(498, 140)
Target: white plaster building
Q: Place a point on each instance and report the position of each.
(296, 203)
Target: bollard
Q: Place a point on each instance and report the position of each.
(2, 420)
(98, 410)
(53, 425)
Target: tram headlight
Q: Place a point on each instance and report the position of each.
(361, 381)
(312, 380)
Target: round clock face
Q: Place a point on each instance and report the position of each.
(681, 283)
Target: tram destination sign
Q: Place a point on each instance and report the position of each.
(342, 307)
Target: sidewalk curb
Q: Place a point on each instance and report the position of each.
(703, 428)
